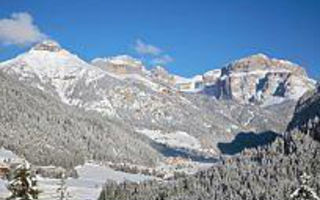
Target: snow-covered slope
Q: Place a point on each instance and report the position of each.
(44, 130)
(122, 91)
(255, 79)
(88, 185)
(175, 140)
(76, 82)
(118, 61)
(50, 68)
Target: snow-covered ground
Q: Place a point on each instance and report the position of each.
(3, 189)
(6, 154)
(176, 139)
(93, 176)
(87, 187)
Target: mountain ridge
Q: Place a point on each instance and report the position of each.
(143, 100)
(254, 79)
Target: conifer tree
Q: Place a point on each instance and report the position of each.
(304, 192)
(23, 184)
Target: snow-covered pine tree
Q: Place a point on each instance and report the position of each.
(304, 192)
(62, 190)
(23, 184)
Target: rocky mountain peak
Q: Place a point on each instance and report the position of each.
(122, 64)
(159, 71)
(141, 101)
(256, 79)
(261, 62)
(47, 45)
(121, 60)
(160, 74)
(46, 56)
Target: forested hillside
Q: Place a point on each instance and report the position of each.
(265, 173)
(47, 132)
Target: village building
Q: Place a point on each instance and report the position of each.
(4, 169)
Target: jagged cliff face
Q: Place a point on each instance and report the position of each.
(261, 80)
(256, 79)
(306, 117)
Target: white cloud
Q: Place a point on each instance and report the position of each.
(162, 60)
(19, 30)
(155, 55)
(147, 49)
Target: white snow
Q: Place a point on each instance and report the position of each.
(180, 83)
(3, 188)
(104, 106)
(87, 187)
(180, 79)
(258, 73)
(120, 60)
(213, 73)
(273, 101)
(176, 139)
(249, 120)
(99, 174)
(7, 154)
(62, 69)
(154, 86)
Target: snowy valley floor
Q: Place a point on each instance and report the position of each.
(87, 187)
(92, 177)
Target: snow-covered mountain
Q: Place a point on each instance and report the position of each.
(52, 69)
(150, 103)
(255, 79)
(46, 131)
(306, 117)
(56, 71)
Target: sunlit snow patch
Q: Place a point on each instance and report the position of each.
(176, 139)
(89, 183)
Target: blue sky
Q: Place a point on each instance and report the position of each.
(190, 36)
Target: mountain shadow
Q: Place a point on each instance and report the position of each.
(247, 140)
